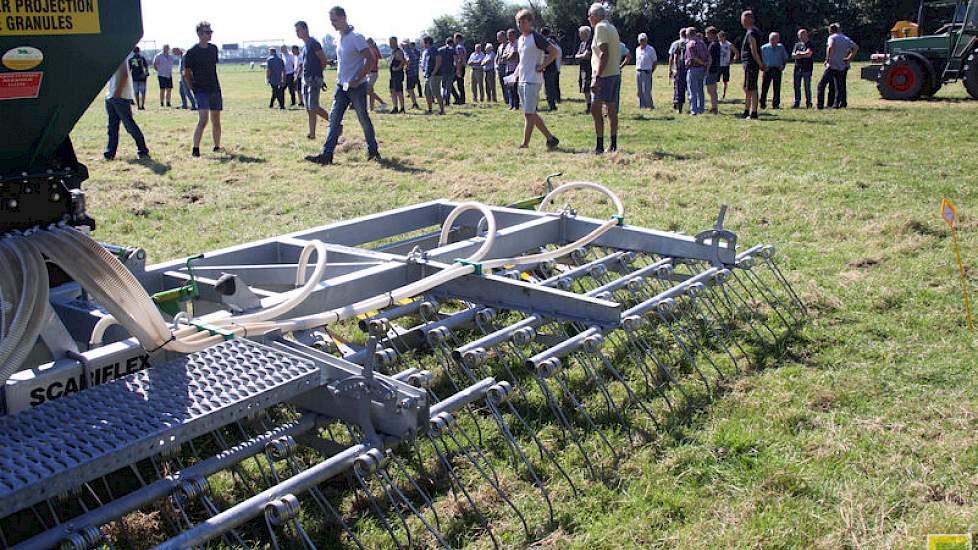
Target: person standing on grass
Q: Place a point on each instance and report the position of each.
(513, 61)
(677, 71)
(431, 65)
(139, 70)
(413, 57)
(314, 59)
(645, 59)
(551, 76)
(373, 76)
(728, 54)
(840, 52)
(118, 105)
(775, 58)
(753, 64)
(200, 72)
(501, 64)
(478, 85)
(605, 76)
(461, 56)
(299, 67)
(397, 66)
(163, 65)
(803, 53)
(445, 68)
(354, 59)
(289, 61)
(698, 62)
(275, 76)
(185, 92)
(489, 69)
(583, 57)
(536, 52)
(713, 69)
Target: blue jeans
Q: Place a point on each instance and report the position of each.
(800, 78)
(120, 111)
(679, 89)
(697, 99)
(343, 100)
(185, 94)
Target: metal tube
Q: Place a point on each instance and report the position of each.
(159, 489)
(584, 269)
(255, 506)
(673, 292)
(624, 280)
(468, 395)
(562, 349)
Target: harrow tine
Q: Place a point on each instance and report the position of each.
(768, 257)
(364, 466)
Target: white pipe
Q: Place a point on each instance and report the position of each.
(98, 331)
(25, 306)
(490, 241)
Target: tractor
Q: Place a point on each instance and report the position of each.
(914, 66)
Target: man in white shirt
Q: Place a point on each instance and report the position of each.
(163, 64)
(536, 53)
(289, 60)
(645, 60)
(118, 105)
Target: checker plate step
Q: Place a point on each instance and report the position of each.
(55, 447)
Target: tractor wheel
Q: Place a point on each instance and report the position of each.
(901, 79)
(970, 72)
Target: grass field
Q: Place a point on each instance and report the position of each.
(863, 437)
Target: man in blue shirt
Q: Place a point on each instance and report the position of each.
(432, 79)
(775, 57)
(353, 63)
(275, 76)
(446, 69)
(312, 75)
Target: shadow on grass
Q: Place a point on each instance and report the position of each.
(802, 120)
(399, 165)
(155, 166)
(238, 157)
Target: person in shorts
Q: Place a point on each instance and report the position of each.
(163, 64)
(374, 76)
(200, 73)
(314, 59)
(398, 67)
(536, 52)
(753, 64)
(728, 54)
(605, 75)
(430, 66)
(139, 70)
(713, 68)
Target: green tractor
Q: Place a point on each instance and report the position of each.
(913, 67)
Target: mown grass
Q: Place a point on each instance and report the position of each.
(863, 436)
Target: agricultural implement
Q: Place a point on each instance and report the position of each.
(425, 377)
(915, 66)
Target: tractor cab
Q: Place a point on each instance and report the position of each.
(917, 65)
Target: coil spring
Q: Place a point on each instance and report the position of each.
(193, 489)
(369, 461)
(283, 510)
(83, 539)
(281, 448)
(441, 423)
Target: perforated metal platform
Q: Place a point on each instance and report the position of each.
(57, 446)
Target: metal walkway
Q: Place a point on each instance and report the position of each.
(53, 448)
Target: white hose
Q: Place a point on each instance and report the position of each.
(490, 241)
(17, 346)
(98, 332)
(25, 304)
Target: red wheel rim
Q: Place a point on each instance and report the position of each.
(901, 78)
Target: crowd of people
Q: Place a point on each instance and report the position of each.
(521, 64)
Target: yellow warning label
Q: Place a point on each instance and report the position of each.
(48, 17)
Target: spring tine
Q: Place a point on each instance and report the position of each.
(710, 323)
(737, 309)
(382, 471)
(789, 307)
(662, 314)
(457, 482)
(779, 275)
(585, 360)
(417, 487)
(583, 411)
(757, 314)
(760, 289)
(393, 503)
(693, 340)
(606, 363)
(368, 496)
(641, 349)
(707, 301)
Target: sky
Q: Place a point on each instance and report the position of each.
(173, 21)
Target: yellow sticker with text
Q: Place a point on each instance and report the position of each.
(949, 542)
(49, 17)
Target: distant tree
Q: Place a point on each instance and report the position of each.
(481, 19)
(565, 17)
(444, 26)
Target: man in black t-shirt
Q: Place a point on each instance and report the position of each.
(200, 72)
(139, 69)
(803, 53)
(753, 63)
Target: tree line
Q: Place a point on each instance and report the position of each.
(866, 21)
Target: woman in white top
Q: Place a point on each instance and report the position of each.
(645, 59)
(478, 74)
(489, 67)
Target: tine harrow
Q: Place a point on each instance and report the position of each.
(452, 373)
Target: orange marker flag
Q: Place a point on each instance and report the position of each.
(949, 213)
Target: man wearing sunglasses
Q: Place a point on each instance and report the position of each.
(200, 73)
